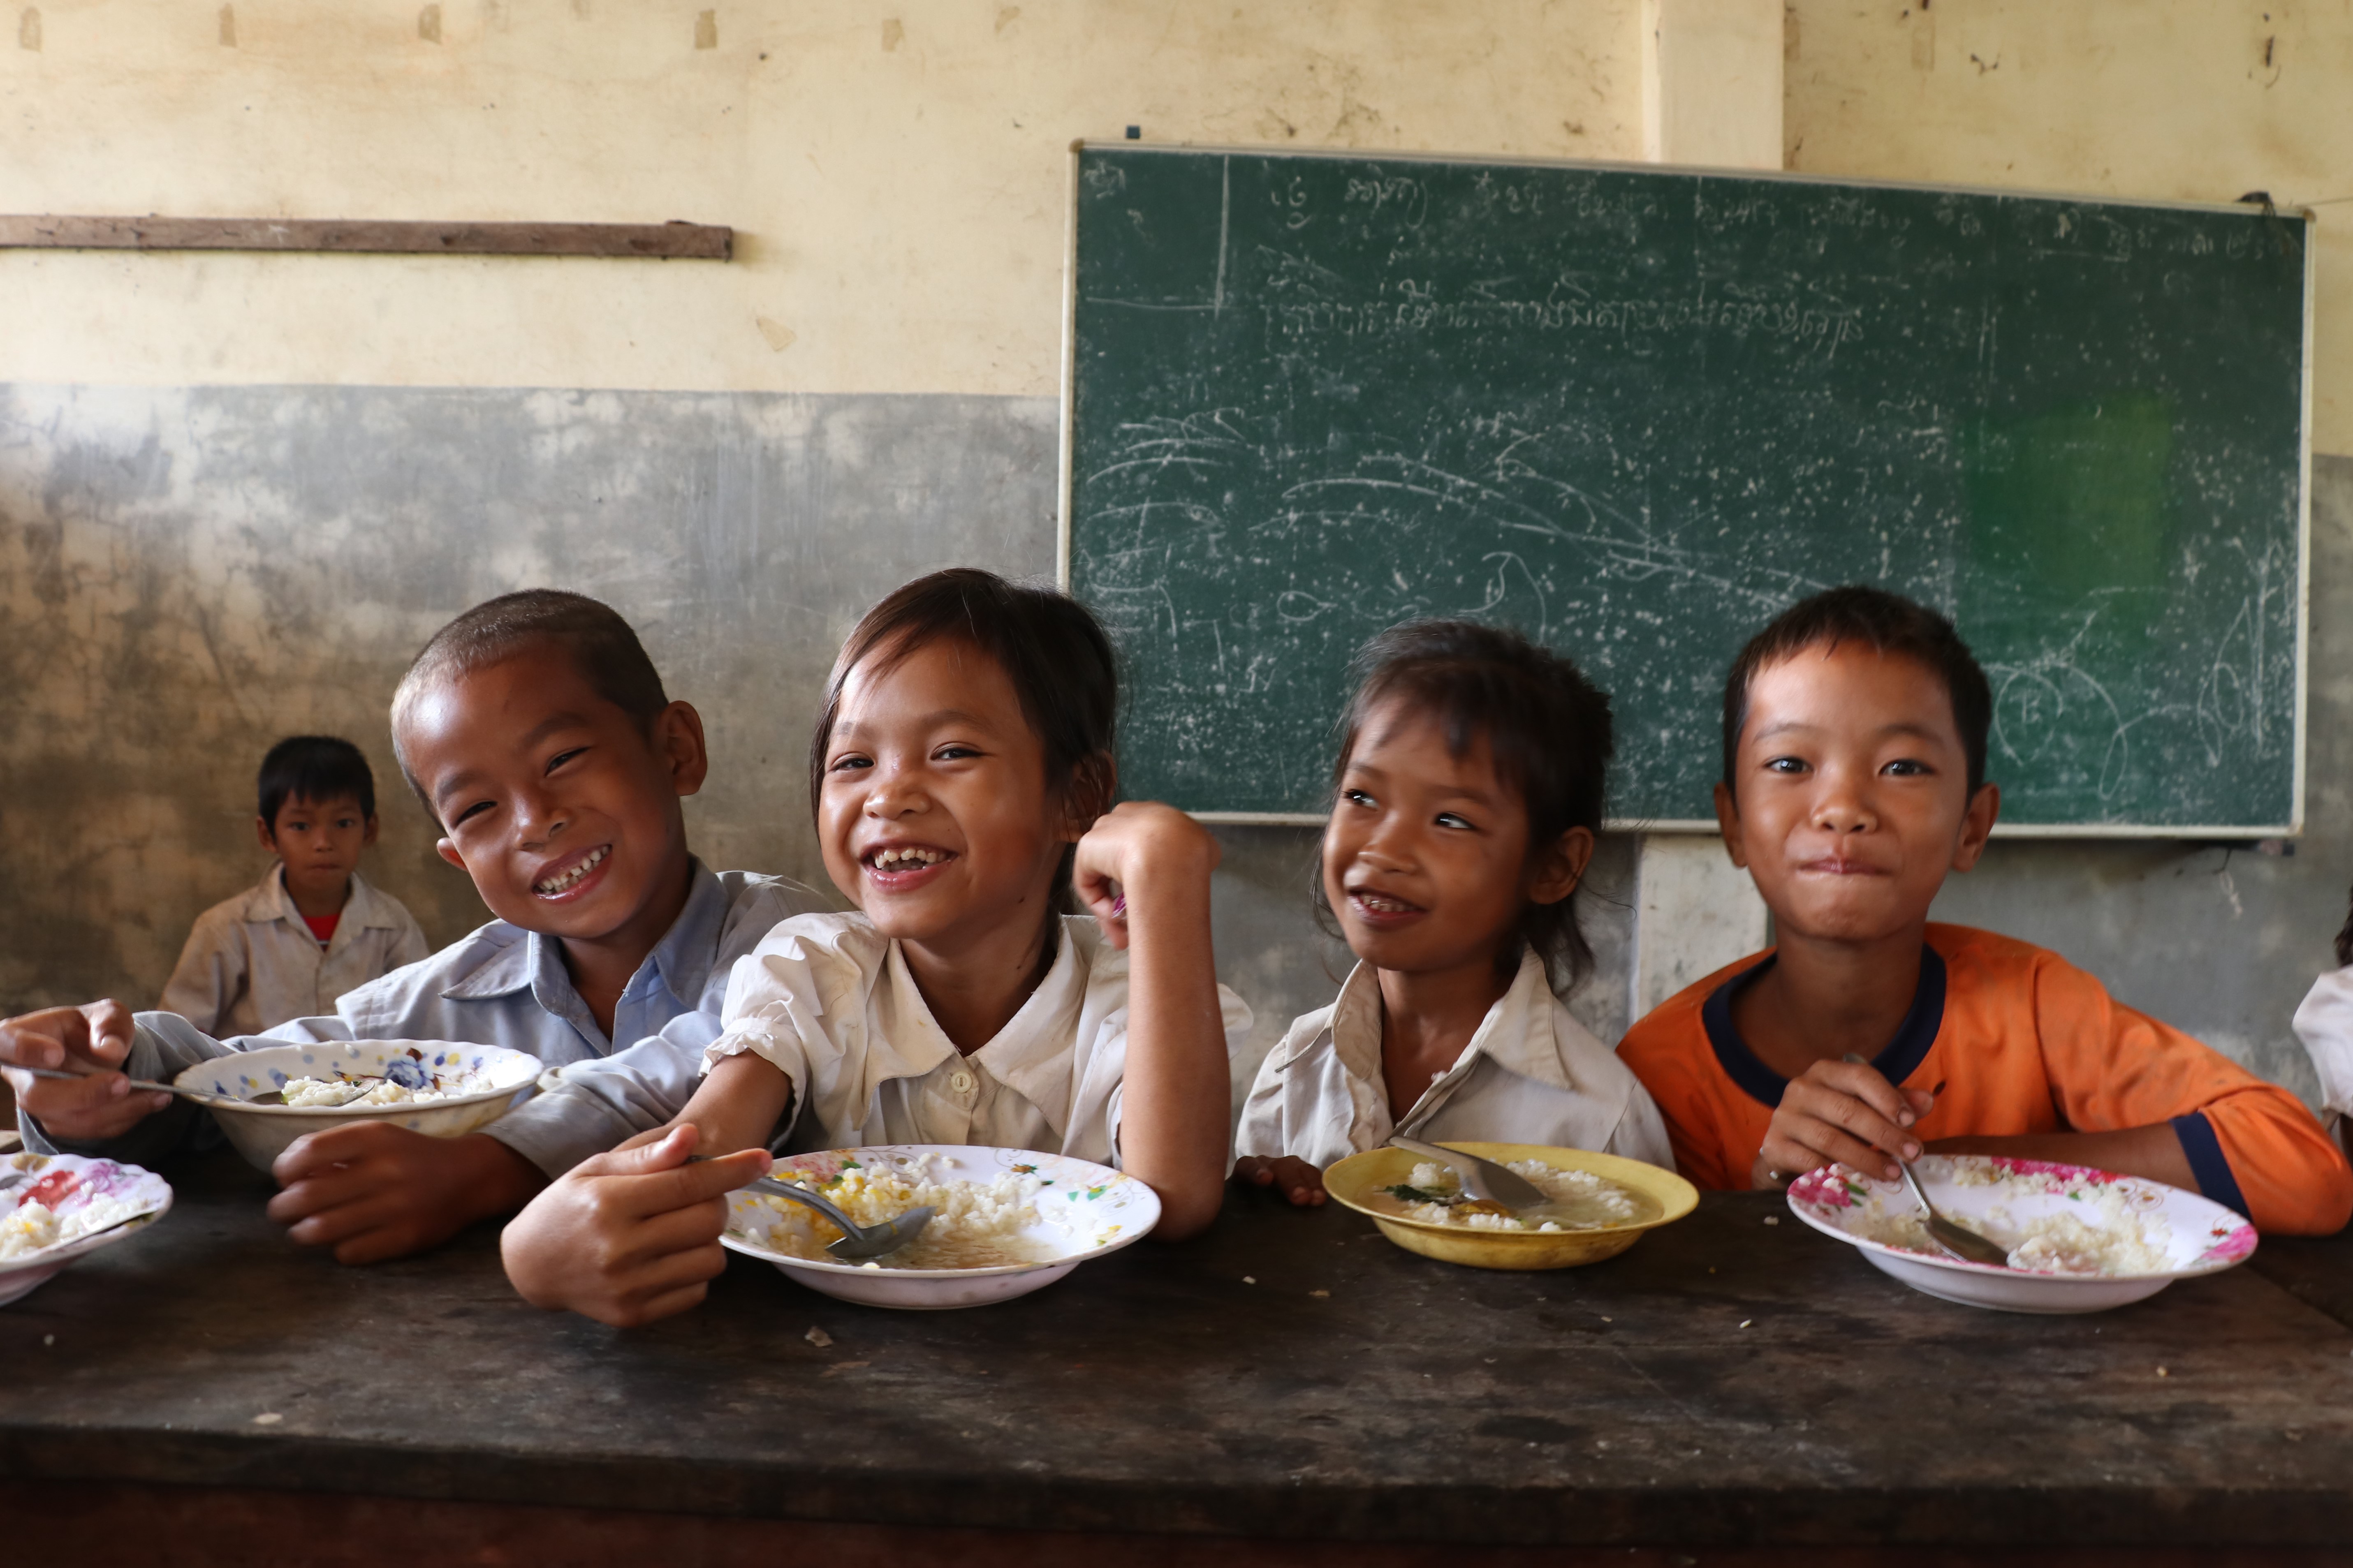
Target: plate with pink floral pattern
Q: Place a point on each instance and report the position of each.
(2080, 1240)
(55, 1207)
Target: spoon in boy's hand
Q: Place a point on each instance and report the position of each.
(275, 1097)
(1958, 1239)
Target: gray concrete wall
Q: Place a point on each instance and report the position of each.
(187, 574)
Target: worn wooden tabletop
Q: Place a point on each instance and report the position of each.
(1735, 1378)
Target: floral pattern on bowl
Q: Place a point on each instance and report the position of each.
(67, 1184)
(261, 1133)
(1084, 1211)
(1996, 1196)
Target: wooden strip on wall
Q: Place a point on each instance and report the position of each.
(680, 241)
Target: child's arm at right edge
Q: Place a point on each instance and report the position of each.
(2324, 1021)
(1143, 871)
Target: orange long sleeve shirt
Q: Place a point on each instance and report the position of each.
(2023, 1042)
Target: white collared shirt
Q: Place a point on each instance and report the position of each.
(2324, 1024)
(830, 1002)
(251, 963)
(1531, 1074)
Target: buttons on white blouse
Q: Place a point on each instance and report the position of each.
(960, 1081)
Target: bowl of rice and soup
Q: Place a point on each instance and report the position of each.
(1598, 1205)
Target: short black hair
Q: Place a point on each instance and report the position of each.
(600, 641)
(316, 768)
(1546, 725)
(1049, 646)
(1890, 624)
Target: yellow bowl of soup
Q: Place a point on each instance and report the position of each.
(1605, 1204)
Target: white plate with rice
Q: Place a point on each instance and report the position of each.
(2081, 1240)
(1010, 1221)
(59, 1208)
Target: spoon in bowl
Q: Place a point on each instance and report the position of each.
(1958, 1239)
(1483, 1181)
(858, 1242)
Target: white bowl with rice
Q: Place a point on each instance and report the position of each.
(2080, 1240)
(1010, 1221)
(434, 1086)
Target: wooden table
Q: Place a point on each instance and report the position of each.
(1737, 1388)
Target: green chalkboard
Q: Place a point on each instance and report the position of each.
(1636, 412)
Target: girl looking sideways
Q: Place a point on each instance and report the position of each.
(1467, 799)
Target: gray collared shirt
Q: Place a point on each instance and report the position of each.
(1530, 1074)
(251, 963)
(505, 986)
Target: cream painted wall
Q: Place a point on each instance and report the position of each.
(896, 170)
(2184, 99)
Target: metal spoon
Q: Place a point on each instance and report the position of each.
(1482, 1180)
(1958, 1239)
(275, 1097)
(858, 1242)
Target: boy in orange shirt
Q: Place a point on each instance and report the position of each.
(1854, 748)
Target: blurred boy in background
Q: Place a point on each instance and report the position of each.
(313, 928)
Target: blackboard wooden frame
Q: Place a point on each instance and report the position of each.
(2291, 827)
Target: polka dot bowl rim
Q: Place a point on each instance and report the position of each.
(241, 1075)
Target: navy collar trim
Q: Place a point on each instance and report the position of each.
(1898, 1061)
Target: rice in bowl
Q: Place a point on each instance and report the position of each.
(977, 1224)
(2107, 1235)
(369, 1088)
(35, 1227)
(1575, 1200)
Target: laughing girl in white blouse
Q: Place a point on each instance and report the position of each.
(961, 774)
